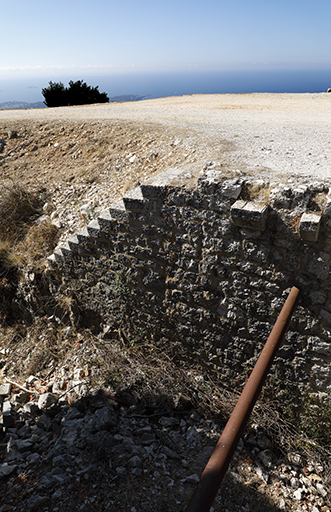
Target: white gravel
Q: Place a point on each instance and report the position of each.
(280, 136)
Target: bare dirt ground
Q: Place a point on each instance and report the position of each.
(88, 157)
(279, 134)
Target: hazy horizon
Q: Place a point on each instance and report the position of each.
(131, 47)
(171, 84)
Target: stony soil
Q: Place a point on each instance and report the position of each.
(84, 159)
(74, 442)
(87, 157)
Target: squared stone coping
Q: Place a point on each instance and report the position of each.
(247, 214)
(309, 226)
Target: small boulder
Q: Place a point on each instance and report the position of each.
(8, 414)
(46, 400)
(103, 419)
(2, 145)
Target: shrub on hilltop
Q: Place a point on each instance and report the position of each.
(55, 95)
(78, 93)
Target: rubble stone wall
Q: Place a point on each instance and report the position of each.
(207, 269)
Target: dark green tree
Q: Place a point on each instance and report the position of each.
(78, 93)
(55, 95)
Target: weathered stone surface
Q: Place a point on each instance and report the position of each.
(309, 227)
(2, 145)
(8, 414)
(6, 470)
(5, 389)
(31, 408)
(103, 419)
(249, 215)
(119, 212)
(46, 400)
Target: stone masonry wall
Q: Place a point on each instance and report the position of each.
(208, 270)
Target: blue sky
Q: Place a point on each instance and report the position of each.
(86, 38)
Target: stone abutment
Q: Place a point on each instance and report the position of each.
(207, 269)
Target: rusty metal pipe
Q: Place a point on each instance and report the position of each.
(213, 474)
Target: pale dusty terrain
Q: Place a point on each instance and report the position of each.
(88, 157)
(282, 134)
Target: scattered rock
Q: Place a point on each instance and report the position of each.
(46, 400)
(36, 501)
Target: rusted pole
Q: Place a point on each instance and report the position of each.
(210, 481)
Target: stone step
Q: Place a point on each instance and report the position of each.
(118, 212)
(74, 244)
(83, 236)
(66, 251)
(93, 228)
(309, 226)
(135, 202)
(58, 256)
(106, 222)
(153, 191)
(52, 262)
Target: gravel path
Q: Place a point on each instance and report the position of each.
(281, 136)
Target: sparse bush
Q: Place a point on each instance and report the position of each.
(316, 419)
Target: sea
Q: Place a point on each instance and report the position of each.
(158, 85)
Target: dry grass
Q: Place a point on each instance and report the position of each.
(295, 222)
(257, 193)
(7, 255)
(18, 208)
(22, 241)
(39, 242)
(317, 202)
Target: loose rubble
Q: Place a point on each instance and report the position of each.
(95, 453)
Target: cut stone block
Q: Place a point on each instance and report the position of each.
(5, 389)
(153, 191)
(66, 252)
(245, 214)
(52, 262)
(74, 244)
(58, 256)
(309, 227)
(134, 201)
(46, 400)
(93, 229)
(119, 212)
(105, 221)
(136, 205)
(83, 236)
(8, 414)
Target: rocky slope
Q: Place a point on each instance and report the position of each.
(106, 452)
